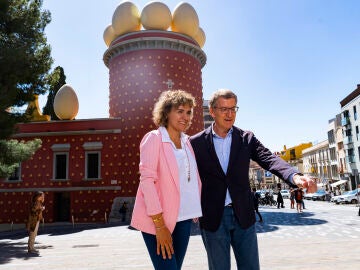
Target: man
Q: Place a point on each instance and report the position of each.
(223, 154)
(280, 200)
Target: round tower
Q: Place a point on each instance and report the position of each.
(144, 63)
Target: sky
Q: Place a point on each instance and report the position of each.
(290, 62)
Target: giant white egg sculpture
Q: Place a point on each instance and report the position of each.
(109, 35)
(200, 37)
(66, 104)
(126, 18)
(156, 16)
(185, 19)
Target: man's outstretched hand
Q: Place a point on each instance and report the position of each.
(305, 182)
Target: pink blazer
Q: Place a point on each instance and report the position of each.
(158, 190)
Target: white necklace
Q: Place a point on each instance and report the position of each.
(187, 165)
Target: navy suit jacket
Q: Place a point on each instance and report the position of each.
(215, 181)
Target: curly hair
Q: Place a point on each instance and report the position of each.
(36, 195)
(170, 99)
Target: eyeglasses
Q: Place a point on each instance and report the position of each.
(227, 110)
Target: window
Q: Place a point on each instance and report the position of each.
(331, 136)
(61, 161)
(357, 133)
(15, 176)
(333, 154)
(340, 145)
(60, 166)
(348, 132)
(292, 154)
(92, 166)
(355, 113)
(92, 159)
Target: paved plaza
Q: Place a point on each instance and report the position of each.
(324, 236)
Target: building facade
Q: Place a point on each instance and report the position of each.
(87, 168)
(79, 167)
(350, 128)
(317, 163)
(207, 117)
(293, 155)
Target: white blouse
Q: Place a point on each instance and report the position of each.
(190, 206)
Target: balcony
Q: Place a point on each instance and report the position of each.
(350, 159)
(348, 139)
(345, 121)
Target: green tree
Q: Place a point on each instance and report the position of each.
(13, 152)
(25, 59)
(56, 79)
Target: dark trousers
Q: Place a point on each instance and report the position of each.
(258, 213)
(280, 203)
(180, 236)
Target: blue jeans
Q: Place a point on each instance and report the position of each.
(180, 236)
(243, 242)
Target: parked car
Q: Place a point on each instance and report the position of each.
(337, 197)
(319, 195)
(285, 193)
(350, 197)
(308, 196)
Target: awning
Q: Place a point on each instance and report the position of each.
(338, 183)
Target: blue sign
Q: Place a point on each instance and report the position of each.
(268, 174)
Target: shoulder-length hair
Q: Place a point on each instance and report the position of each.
(170, 99)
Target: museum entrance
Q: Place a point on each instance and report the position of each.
(61, 206)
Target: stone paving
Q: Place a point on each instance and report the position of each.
(324, 236)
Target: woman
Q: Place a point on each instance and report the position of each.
(168, 197)
(35, 215)
(299, 193)
(292, 198)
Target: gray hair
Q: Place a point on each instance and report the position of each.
(221, 93)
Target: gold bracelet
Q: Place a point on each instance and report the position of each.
(157, 219)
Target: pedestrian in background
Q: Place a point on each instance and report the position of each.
(223, 153)
(256, 197)
(123, 211)
(279, 199)
(35, 216)
(292, 198)
(302, 199)
(168, 196)
(299, 199)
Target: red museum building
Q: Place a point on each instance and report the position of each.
(88, 167)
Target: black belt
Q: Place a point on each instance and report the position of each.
(229, 205)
